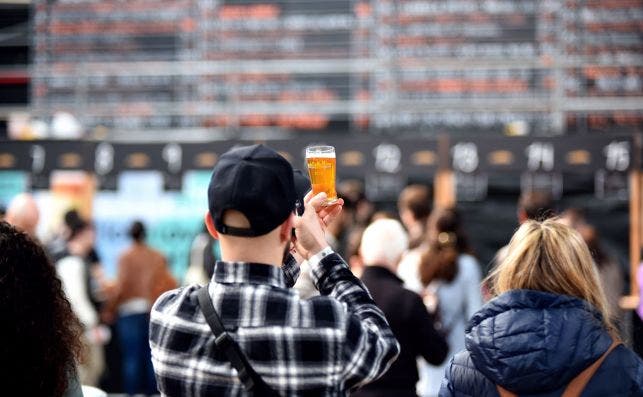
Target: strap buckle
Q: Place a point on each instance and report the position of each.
(223, 341)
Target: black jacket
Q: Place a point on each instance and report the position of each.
(413, 328)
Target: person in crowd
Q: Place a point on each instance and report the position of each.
(326, 345)
(142, 276)
(637, 317)
(414, 208)
(74, 272)
(610, 273)
(444, 272)
(42, 336)
(383, 243)
(353, 190)
(356, 214)
(547, 324)
(532, 205)
(23, 213)
(204, 252)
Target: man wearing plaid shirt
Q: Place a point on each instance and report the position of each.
(324, 346)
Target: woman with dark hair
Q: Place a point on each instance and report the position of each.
(41, 338)
(143, 275)
(74, 271)
(444, 272)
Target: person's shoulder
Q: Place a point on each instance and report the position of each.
(152, 252)
(176, 301)
(468, 265)
(465, 379)
(623, 367)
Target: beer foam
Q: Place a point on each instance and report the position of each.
(320, 155)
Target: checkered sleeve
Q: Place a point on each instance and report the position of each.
(370, 346)
(290, 269)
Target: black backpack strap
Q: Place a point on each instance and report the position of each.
(224, 342)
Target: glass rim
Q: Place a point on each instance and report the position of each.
(327, 149)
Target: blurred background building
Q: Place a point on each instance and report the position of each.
(215, 69)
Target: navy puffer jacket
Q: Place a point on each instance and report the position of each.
(534, 343)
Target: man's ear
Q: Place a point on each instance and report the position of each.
(285, 233)
(209, 224)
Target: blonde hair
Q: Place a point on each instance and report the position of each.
(551, 257)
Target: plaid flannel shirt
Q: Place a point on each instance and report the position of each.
(323, 346)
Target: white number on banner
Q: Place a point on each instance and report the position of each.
(38, 156)
(104, 158)
(465, 157)
(540, 156)
(173, 155)
(388, 158)
(617, 156)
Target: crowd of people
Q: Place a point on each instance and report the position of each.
(286, 295)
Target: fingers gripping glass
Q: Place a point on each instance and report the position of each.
(321, 169)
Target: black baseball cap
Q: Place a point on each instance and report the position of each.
(256, 181)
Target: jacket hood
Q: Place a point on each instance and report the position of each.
(529, 341)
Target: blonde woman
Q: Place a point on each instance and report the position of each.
(548, 323)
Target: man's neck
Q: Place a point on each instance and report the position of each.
(250, 253)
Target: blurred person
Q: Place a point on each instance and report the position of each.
(547, 324)
(610, 274)
(23, 213)
(383, 243)
(445, 273)
(74, 272)
(58, 249)
(534, 205)
(414, 208)
(637, 317)
(326, 345)
(573, 217)
(143, 275)
(354, 241)
(353, 190)
(42, 336)
(58, 245)
(356, 213)
(204, 252)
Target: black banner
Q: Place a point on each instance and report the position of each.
(387, 163)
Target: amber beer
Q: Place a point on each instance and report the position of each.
(321, 168)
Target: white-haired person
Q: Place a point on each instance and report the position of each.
(383, 243)
(547, 332)
(23, 213)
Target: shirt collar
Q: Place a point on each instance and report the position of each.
(380, 272)
(248, 273)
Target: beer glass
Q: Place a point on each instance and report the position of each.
(321, 168)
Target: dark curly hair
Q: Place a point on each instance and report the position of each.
(41, 336)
